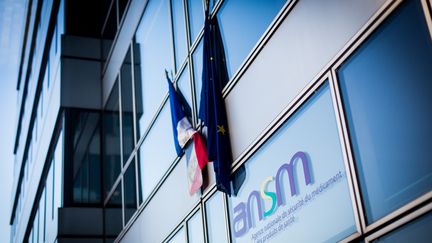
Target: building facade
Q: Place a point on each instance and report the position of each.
(328, 107)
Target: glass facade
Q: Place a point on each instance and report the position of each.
(384, 86)
(349, 144)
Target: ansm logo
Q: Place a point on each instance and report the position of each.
(244, 211)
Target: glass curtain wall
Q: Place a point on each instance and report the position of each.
(137, 133)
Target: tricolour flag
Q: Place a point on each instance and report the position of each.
(212, 108)
(183, 131)
(197, 161)
(180, 113)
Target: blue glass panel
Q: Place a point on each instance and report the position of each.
(179, 26)
(179, 237)
(386, 93)
(296, 182)
(416, 231)
(153, 49)
(216, 219)
(242, 24)
(195, 228)
(196, 18)
(185, 86)
(198, 67)
(157, 151)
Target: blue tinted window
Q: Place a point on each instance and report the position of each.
(216, 219)
(242, 24)
(416, 231)
(184, 85)
(154, 48)
(157, 151)
(195, 228)
(196, 18)
(198, 67)
(386, 93)
(296, 182)
(179, 26)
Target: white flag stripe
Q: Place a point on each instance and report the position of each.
(184, 131)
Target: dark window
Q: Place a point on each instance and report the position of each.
(111, 138)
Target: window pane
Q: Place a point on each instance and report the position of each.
(242, 24)
(217, 231)
(130, 199)
(111, 135)
(154, 45)
(386, 93)
(198, 68)
(113, 214)
(179, 26)
(184, 85)
(296, 182)
(179, 237)
(418, 231)
(127, 107)
(109, 30)
(155, 161)
(83, 148)
(196, 18)
(195, 228)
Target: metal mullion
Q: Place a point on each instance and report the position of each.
(153, 120)
(259, 46)
(134, 152)
(171, 21)
(191, 70)
(400, 223)
(123, 202)
(117, 11)
(427, 13)
(226, 215)
(346, 153)
(112, 190)
(121, 119)
(204, 221)
(385, 11)
(107, 17)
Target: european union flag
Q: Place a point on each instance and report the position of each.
(212, 106)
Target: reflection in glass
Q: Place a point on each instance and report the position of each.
(130, 199)
(154, 160)
(198, 68)
(216, 219)
(184, 85)
(153, 42)
(242, 24)
(83, 156)
(111, 135)
(195, 228)
(127, 107)
(179, 26)
(179, 237)
(113, 214)
(418, 231)
(386, 93)
(109, 29)
(196, 18)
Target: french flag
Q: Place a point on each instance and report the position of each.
(183, 132)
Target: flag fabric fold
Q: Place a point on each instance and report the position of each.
(212, 107)
(183, 132)
(198, 159)
(180, 113)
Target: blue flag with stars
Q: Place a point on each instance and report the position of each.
(212, 107)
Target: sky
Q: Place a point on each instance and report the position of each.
(11, 29)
